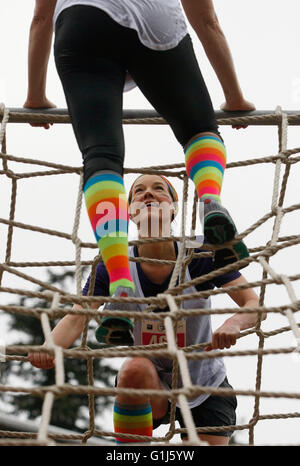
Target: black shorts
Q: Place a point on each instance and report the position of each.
(92, 55)
(215, 411)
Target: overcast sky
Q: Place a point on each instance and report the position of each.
(264, 38)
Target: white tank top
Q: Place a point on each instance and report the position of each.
(160, 24)
(206, 372)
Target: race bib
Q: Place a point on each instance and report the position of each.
(154, 332)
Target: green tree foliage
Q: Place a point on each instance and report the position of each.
(69, 411)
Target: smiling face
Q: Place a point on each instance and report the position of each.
(151, 206)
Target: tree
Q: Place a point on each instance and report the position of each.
(69, 412)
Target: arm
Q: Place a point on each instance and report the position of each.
(226, 335)
(40, 39)
(68, 329)
(204, 21)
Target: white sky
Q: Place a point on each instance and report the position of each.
(263, 36)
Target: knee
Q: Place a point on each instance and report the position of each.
(208, 133)
(100, 158)
(137, 373)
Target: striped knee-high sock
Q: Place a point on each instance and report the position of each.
(132, 419)
(205, 160)
(107, 207)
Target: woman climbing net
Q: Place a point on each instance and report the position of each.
(174, 298)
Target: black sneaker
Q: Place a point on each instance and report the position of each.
(117, 331)
(219, 228)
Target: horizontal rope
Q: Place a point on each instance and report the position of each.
(132, 116)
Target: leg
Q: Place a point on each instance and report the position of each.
(205, 158)
(214, 440)
(162, 76)
(93, 84)
(132, 414)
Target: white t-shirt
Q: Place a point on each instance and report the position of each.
(160, 24)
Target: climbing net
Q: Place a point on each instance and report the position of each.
(261, 256)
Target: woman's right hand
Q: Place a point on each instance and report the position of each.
(41, 360)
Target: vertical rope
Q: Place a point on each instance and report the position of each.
(172, 283)
(58, 353)
(76, 240)
(276, 207)
(4, 122)
(59, 374)
(184, 370)
(91, 430)
(45, 420)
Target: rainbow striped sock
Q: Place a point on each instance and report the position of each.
(107, 207)
(132, 419)
(205, 160)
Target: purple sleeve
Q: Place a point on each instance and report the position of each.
(200, 267)
(226, 278)
(101, 282)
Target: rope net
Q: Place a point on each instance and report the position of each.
(283, 161)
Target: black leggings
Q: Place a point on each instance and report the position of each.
(92, 54)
